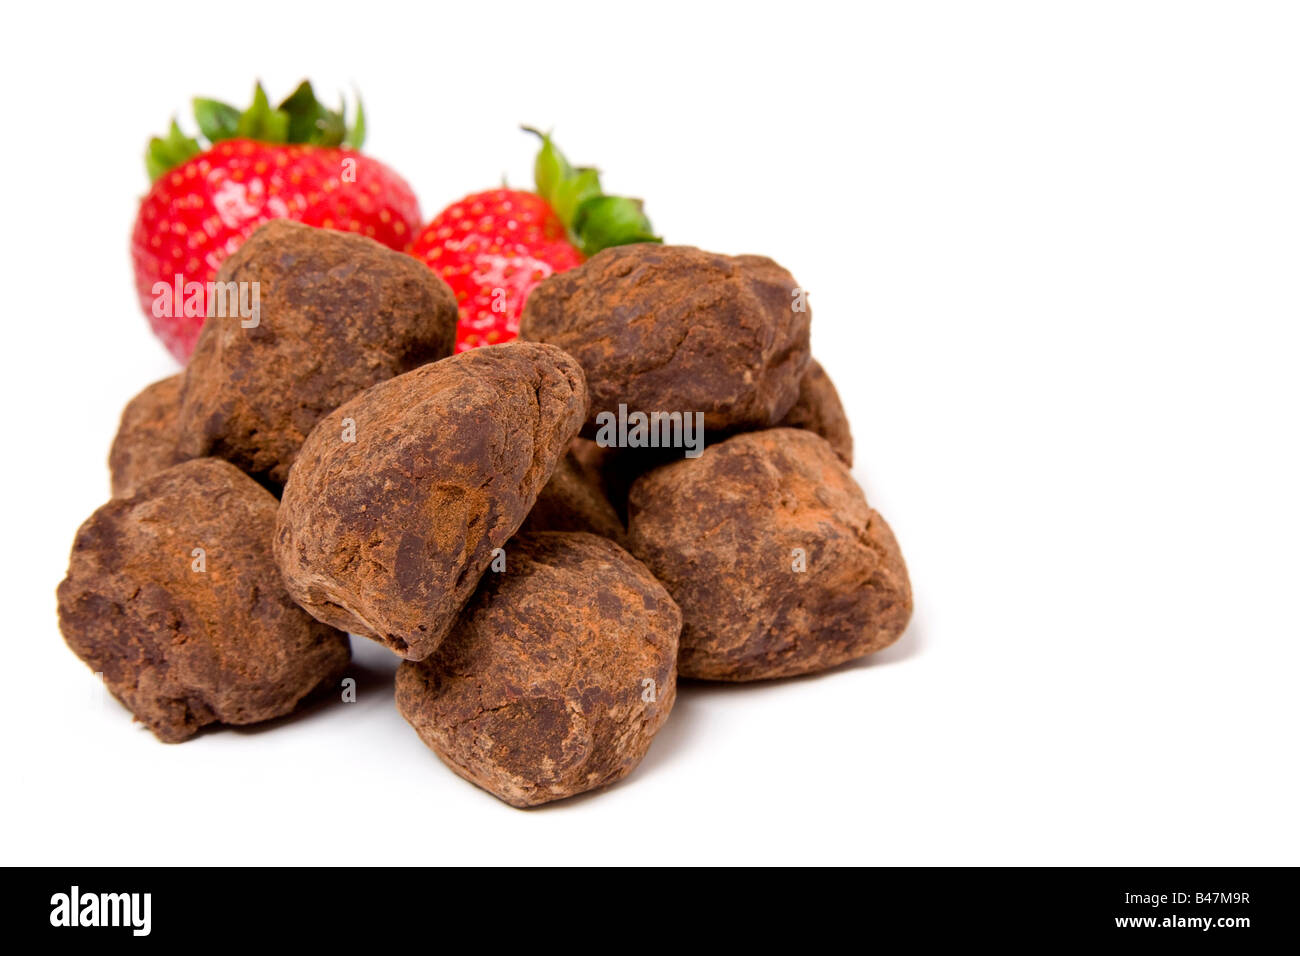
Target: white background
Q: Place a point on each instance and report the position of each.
(1052, 252)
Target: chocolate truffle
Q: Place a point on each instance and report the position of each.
(592, 459)
(173, 595)
(146, 439)
(399, 497)
(615, 469)
(673, 328)
(557, 675)
(338, 313)
(572, 500)
(819, 410)
(768, 546)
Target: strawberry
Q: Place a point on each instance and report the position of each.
(297, 161)
(493, 247)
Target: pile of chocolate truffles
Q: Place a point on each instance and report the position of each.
(332, 468)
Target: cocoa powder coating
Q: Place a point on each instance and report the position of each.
(398, 498)
(768, 546)
(573, 500)
(145, 443)
(592, 459)
(819, 410)
(186, 637)
(338, 313)
(556, 677)
(674, 328)
(615, 469)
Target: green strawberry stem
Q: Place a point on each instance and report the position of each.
(594, 220)
(300, 118)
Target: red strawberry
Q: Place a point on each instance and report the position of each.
(296, 161)
(493, 247)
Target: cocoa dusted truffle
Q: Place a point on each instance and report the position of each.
(819, 410)
(146, 439)
(173, 595)
(573, 500)
(615, 469)
(768, 546)
(337, 313)
(399, 497)
(593, 459)
(676, 329)
(557, 675)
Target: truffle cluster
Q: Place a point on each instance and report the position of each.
(543, 589)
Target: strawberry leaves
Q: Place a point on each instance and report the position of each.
(605, 221)
(217, 121)
(261, 123)
(310, 122)
(300, 118)
(170, 151)
(594, 220)
(357, 134)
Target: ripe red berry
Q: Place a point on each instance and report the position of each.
(493, 247)
(297, 161)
